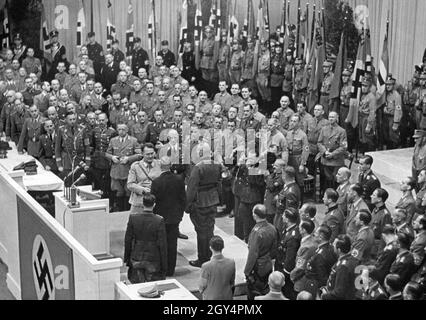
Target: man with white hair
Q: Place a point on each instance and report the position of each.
(276, 282)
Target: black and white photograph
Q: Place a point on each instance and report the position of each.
(218, 151)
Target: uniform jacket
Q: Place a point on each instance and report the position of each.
(139, 131)
(129, 148)
(341, 282)
(277, 70)
(140, 175)
(168, 58)
(384, 262)
(16, 124)
(363, 244)
(407, 229)
(380, 218)
(274, 185)
(403, 266)
(30, 136)
(319, 267)
(118, 56)
(122, 88)
(369, 183)
(29, 95)
(308, 246)
(145, 240)
(169, 191)
(335, 219)
(140, 59)
(46, 154)
(203, 186)
(288, 246)
(285, 115)
(298, 146)
(350, 227)
(262, 246)
(333, 139)
(157, 132)
(69, 146)
(250, 188)
(289, 197)
(314, 130)
(418, 247)
(99, 140)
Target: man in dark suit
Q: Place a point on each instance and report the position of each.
(109, 73)
(145, 245)
(169, 191)
(202, 199)
(46, 153)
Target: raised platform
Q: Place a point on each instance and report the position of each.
(187, 275)
(392, 167)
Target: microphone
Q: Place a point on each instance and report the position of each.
(81, 178)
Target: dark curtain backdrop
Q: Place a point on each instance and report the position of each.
(407, 41)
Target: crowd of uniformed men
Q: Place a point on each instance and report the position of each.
(112, 118)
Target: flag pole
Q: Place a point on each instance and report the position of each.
(298, 29)
(154, 34)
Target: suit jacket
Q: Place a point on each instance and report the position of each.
(217, 278)
(30, 136)
(145, 240)
(350, 226)
(169, 191)
(129, 148)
